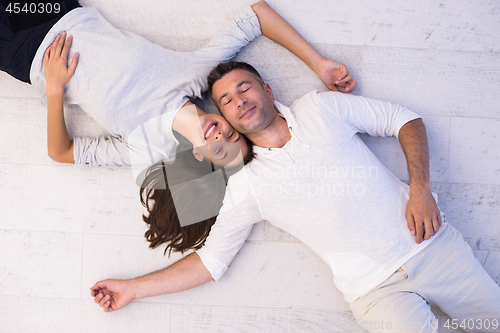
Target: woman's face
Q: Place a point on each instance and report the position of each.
(222, 143)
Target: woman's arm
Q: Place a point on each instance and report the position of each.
(280, 31)
(57, 75)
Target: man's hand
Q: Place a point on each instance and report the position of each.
(336, 75)
(112, 295)
(422, 214)
(55, 63)
(187, 273)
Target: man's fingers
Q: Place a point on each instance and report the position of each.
(98, 297)
(411, 223)
(436, 222)
(419, 230)
(104, 300)
(99, 285)
(107, 307)
(95, 287)
(429, 230)
(101, 296)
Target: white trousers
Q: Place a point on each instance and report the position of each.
(445, 274)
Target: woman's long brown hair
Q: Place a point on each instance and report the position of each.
(162, 219)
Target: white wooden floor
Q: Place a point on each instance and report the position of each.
(62, 228)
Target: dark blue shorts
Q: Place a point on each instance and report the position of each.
(21, 34)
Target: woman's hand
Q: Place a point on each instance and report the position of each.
(334, 74)
(57, 75)
(55, 62)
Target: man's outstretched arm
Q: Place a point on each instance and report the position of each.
(187, 273)
(422, 213)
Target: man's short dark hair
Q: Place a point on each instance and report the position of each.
(223, 68)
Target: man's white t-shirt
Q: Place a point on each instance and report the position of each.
(326, 188)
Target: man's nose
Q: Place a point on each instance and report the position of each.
(241, 100)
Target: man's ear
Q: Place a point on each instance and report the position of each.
(197, 155)
(269, 91)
